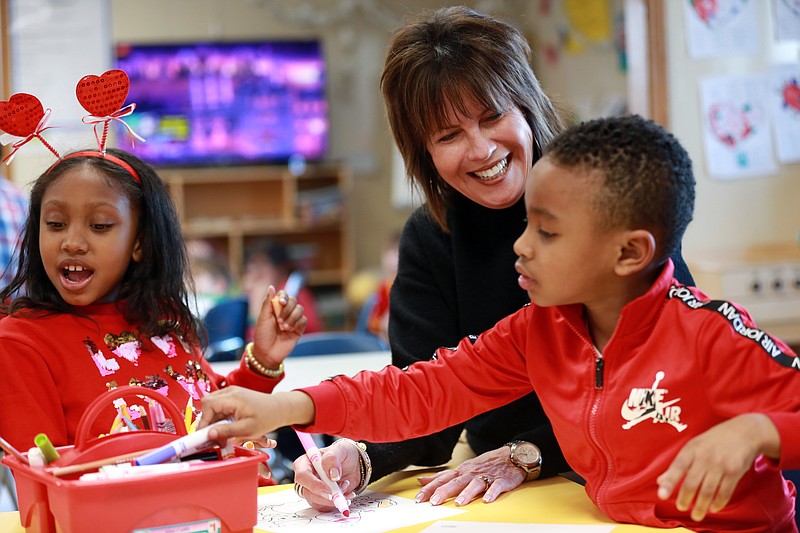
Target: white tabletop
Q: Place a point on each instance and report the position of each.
(310, 370)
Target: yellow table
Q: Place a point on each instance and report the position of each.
(550, 501)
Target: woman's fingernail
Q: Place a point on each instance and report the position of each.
(436, 499)
(459, 501)
(334, 473)
(418, 497)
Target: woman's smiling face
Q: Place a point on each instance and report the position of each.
(484, 155)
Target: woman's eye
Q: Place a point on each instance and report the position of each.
(447, 137)
(101, 227)
(54, 225)
(545, 234)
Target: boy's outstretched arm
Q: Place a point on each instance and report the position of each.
(709, 466)
(254, 413)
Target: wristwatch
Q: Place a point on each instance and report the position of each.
(526, 456)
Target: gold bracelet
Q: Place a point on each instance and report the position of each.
(364, 463)
(255, 365)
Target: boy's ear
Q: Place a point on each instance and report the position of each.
(636, 253)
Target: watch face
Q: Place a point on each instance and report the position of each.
(527, 454)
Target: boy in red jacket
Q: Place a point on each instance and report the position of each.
(675, 408)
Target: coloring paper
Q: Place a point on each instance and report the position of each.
(285, 512)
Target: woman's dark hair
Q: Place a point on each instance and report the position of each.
(448, 59)
(153, 292)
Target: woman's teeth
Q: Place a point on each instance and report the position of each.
(493, 172)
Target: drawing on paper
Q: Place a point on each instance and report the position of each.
(297, 512)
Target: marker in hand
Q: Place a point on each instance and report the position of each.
(312, 452)
(292, 286)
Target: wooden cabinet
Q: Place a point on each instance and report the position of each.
(233, 206)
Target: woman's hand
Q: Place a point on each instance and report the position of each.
(341, 461)
(711, 464)
(280, 323)
(490, 474)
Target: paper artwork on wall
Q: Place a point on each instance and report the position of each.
(736, 126)
(721, 27)
(787, 19)
(784, 102)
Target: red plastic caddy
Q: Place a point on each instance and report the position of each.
(218, 495)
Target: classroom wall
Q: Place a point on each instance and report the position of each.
(733, 213)
(729, 213)
(739, 212)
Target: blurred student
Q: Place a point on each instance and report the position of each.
(212, 283)
(13, 212)
(266, 263)
(378, 320)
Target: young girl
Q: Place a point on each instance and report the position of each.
(100, 300)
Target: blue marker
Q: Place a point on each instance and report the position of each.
(186, 445)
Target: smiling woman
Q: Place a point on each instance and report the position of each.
(470, 120)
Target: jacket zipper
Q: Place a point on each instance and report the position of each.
(599, 378)
(598, 370)
(599, 364)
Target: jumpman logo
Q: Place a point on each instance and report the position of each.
(649, 404)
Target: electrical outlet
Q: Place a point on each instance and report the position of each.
(764, 280)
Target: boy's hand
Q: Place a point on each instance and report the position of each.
(254, 413)
(709, 466)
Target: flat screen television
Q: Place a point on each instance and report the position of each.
(227, 103)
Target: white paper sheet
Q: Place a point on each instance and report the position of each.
(787, 20)
(736, 126)
(784, 98)
(371, 512)
(505, 527)
(721, 28)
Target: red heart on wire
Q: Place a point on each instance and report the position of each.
(20, 114)
(104, 94)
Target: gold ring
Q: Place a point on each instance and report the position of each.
(298, 489)
(486, 479)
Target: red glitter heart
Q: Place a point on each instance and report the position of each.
(102, 95)
(20, 114)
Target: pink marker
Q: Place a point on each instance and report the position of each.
(312, 452)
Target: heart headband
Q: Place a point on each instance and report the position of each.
(24, 118)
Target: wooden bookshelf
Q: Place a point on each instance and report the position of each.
(233, 206)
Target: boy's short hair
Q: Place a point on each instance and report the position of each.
(647, 175)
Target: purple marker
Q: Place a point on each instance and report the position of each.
(186, 445)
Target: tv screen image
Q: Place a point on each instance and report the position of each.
(227, 103)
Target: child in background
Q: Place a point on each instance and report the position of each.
(99, 300)
(267, 263)
(13, 211)
(212, 283)
(675, 409)
(378, 320)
